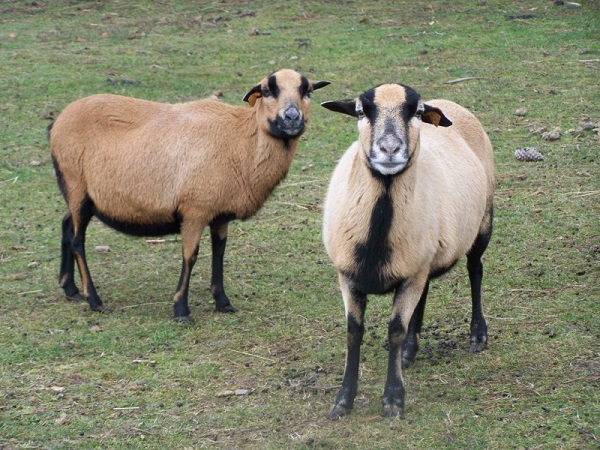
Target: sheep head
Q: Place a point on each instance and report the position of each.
(282, 100)
(389, 121)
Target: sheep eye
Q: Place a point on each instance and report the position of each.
(419, 113)
(265, 93)
(360, 114)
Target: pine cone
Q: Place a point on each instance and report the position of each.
(528, 154)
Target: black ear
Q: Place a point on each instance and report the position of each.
(341, 106)
(253, 94)
(435, 116)
(319, 84)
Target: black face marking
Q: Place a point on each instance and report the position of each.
(276, 131)
(374, 254)
(368, 103)
(410, 104)
(304, 88)
(389, 126)
(272, 85)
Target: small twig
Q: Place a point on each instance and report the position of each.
(460, 80)
(160, 241)
(589, 60)
(129, 408)
(588, 378)
(541, 291)
(141, 304)
(292, 204)
(29, 292)
(254, 356)
(144, 361)
(142, 431)
(579, 194)
(300, 183)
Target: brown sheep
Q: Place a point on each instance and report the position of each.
(405, 202)
(148, 169)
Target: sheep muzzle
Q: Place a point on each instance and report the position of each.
(289, 124)
(389, 155)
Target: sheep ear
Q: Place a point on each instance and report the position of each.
(435, 116)
(341, 106)
(253, 94)
(319, 84)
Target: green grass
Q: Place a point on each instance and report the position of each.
(70, 378)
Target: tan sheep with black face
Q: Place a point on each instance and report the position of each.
(405, 202)
(148, 168)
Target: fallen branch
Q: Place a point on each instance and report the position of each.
(29, 292)
(144, 361)
(460, 80)
(160, 241)
(142, 304)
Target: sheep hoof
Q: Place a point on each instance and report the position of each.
(183, 319)
(77, 297)
(226, 309)
(338, 411)
(392, 410)
(407, 362)
(478, 346)
(101, 309)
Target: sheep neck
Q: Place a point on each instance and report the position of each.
(270, 165)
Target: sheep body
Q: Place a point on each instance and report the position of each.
(395, 232)
(166, 151)
(449, 232)
(148, 168)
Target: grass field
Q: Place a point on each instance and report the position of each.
(71, 378)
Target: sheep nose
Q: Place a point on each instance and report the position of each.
(292, 114)
(390, 146)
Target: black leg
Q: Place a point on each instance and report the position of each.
(355, 304)
(478, 325)
(181, 310)
(411, 342)
(190, 237)
(479, 335)
(406, 299)
(66, 277)
(218, 236)
(80, 223)
(393, 394)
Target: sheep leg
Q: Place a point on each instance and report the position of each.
(66, 276)
(355, 304)
(479, 334)
(190, 237)
(80, 220)
(411, 342)
(405, 302)
(218, 236)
